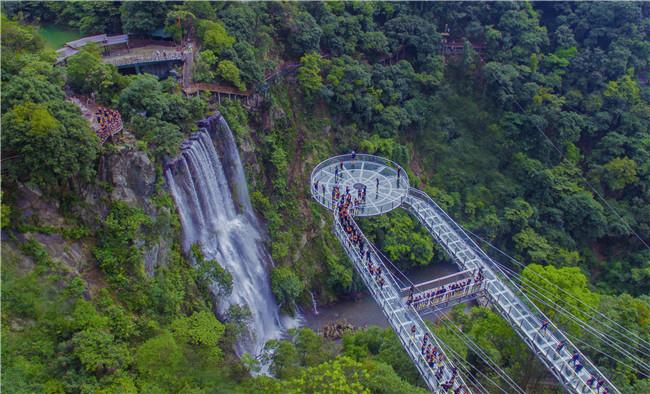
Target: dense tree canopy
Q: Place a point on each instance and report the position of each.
(527, 122)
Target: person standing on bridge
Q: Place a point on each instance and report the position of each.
(575, 357)
(544, 326)
(578, 367)
(354, 155)
(439, 371)
(559, 347)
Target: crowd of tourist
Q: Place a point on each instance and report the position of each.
(343, 205)
(434, 296)
(435, 359)
(108, 122)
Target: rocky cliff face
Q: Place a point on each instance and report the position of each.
(132, 177)
(126, 175)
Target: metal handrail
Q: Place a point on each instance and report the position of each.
(412, 317)
(529, 307)
(326, 200)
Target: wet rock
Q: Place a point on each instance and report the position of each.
(336, 330)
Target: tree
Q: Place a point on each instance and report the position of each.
(309, 74)
(342, 375)
(229, 72)
(403, 241)
(144, 95)
(49, 143)
(214, 36)
(286, 285)
(619, 172)
(304, 34)
(545, 280)
(37, 81)
(143, 18)
(202, 331)
(99, 353)
(87, 74)
(160, 360)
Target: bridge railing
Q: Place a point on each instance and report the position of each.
(148, 58)
(326, 200)
(505, 295)
(400, 317)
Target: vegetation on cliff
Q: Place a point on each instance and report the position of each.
(534, 136)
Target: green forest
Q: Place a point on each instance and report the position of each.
(533, 132)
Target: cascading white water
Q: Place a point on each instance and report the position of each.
(313, 303)
(212, 199)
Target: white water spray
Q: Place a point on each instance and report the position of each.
(211, 196)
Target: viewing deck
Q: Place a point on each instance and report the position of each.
(384, 190)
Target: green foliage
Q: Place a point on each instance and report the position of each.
(229, 72)
(201, 331)
(403, 240)
(286, 286)
(142, 18)
(236, 116)
(5, 213)
(49, 143)
(620, 172)
(117, 252)
(569, 279)
(211, 272)
(148, 97)
(88, 75)
(162, 138)
(214, 36)
(309, 74)
(160, 361)
(304, 34)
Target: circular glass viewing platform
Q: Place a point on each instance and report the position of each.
(385, 183)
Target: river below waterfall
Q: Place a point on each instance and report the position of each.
(364, 311)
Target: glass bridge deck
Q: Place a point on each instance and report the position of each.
(385, 182)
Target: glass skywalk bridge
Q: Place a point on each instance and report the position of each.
(378, 186)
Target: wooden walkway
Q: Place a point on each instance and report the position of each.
(281, 70)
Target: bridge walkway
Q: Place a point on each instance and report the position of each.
(521, 313)
(401, 317)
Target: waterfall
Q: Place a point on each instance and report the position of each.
(313, 303)
(208, 185)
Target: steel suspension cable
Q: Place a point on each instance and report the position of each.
(642, 341)
(482, 355)
(459, 360)
(551, 304)
(611, 345)
(560, 309)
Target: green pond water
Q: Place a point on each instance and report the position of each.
(55, 36)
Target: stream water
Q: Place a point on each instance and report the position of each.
(364, 311)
